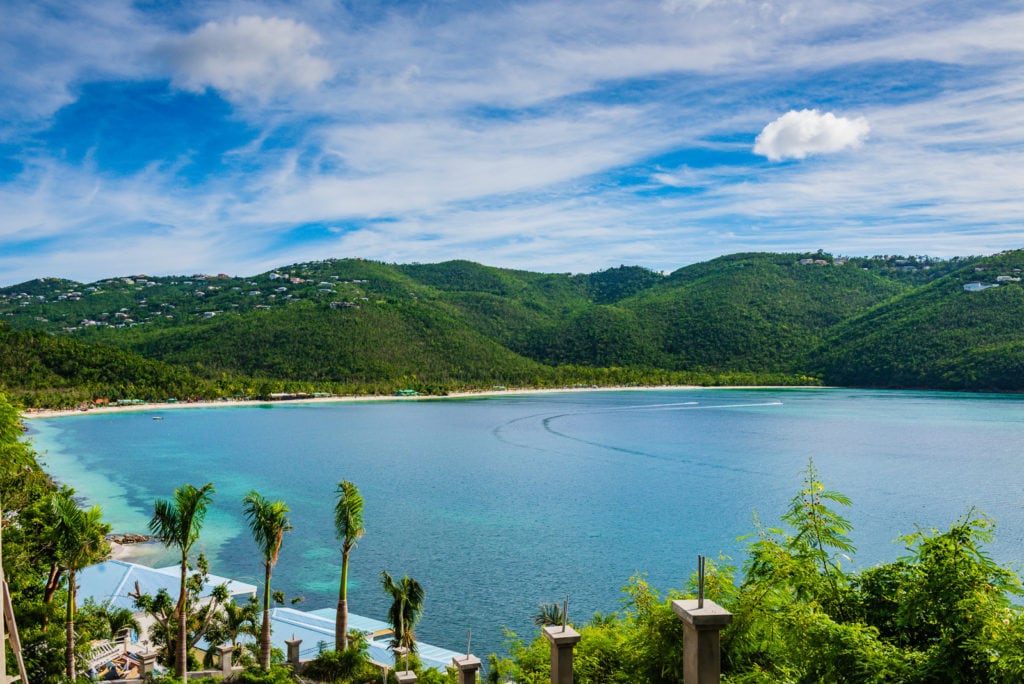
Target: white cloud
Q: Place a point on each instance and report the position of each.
(794, 135)
(249, 56)
(520, 133)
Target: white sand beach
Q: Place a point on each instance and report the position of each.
(173, 406)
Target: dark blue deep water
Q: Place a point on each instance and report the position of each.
(498, 504)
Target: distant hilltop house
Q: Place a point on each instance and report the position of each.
(978, 287)
(817, 262)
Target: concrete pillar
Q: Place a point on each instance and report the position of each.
(293, 651)
(563, 640)
(148, 663)
(225, 651)
(467, 665)
(405, 677)
(702, 657)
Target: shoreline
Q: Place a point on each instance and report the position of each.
(32, 414)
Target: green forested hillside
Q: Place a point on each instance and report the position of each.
(356, 326)
(939, 335)
(372, 343)
(752, 312)
(39, 369)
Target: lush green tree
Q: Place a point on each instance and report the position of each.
(348, 526)
(351, 665)
(407, 598)
(79, 540)
(205, 616)
(177, 522)
(236, 620)
(268, 521)
(548, 614)
(29, 552)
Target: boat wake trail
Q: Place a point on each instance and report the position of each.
(547, 420)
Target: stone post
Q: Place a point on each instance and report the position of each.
(148, 663)
(467, 666)
(405, 675)
(563, 640)
(702, 658)
(293, 652)
(225, 651)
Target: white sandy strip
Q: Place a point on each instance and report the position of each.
(164, 406)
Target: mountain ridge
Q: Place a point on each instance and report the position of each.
(356, 325)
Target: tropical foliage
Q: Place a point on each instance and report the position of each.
(944, 613)
(268, 521)
(348, 526)
(407, 598)
(79, 540)
(203, 618)
(177, 522)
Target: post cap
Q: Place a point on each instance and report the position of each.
(466, 662)
(558, 637)
(711, 616)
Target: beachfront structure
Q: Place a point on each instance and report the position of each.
(315, 629)
(110, 584)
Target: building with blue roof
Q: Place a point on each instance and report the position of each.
(316, 630)
(109, 584)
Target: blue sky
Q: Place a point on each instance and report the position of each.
(169, 138)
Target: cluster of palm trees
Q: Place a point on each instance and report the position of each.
(177, 522)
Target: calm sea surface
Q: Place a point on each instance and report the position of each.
(498, 504)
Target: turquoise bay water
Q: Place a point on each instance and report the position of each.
(498, 504)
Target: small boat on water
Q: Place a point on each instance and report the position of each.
(158, 417)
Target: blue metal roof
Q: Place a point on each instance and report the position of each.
(108, 583)
(316, 629)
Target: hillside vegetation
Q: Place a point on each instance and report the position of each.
(355, 326)
(938, 335)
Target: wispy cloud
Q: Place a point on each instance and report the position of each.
(555, 134)
(249, 56)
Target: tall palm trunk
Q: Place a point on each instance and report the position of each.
(181, 659)
(69, 647)
(265, 631)
(341, 616)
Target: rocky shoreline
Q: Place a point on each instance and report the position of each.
(132, 538)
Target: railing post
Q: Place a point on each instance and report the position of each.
(702, 626)
(563, 639)
(148, 663)
(293, 652)
(467, 666)
(225, 651)
(405, 675)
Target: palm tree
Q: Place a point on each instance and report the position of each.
(79, 542)
(268, 521)
(120, 619)
(406, 605)
(239, 620)
(348, 526)
(177, 523)
(548, 614)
